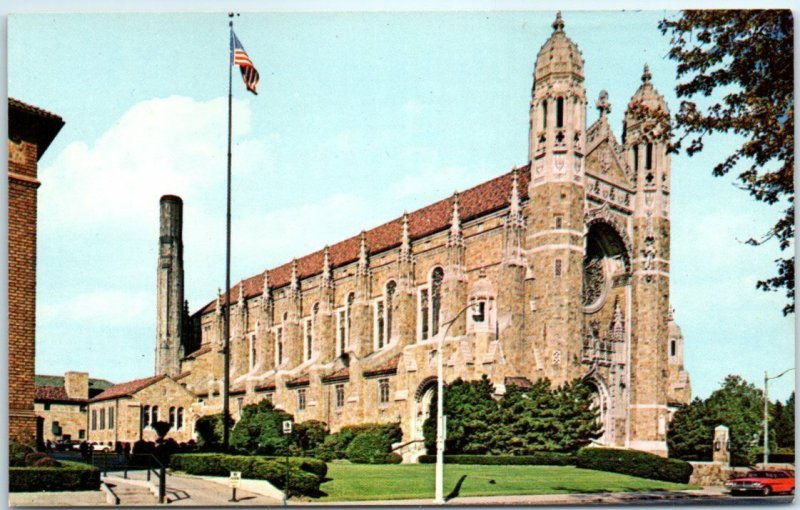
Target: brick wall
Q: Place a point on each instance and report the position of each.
(22, 190)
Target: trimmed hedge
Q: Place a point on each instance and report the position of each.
(371, 447)
(634, 463)
(310, 464)
(264, 468)
(335, 445)
(70, 476)
(534, 459)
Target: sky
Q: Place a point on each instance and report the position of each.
(359, 116)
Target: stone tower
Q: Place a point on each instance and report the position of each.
(648, 157)
(556, 206)
(169, 300)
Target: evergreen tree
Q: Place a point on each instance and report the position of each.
(737, 404)
(576, 418)
(526, 421)
(783, 423)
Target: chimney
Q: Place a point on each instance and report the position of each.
(76, 384)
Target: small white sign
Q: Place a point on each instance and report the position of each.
(287, 426)
(235, 479)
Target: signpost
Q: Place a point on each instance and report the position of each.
(235, 480)
(287, 430)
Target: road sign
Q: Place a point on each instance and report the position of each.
(235, 479)
(287, 426)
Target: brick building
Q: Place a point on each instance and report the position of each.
(61, 403)
(564, 262)
(30, 132)
(126, 412)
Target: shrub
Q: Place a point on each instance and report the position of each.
(335, 445)
(635, 463)
(271, 469)
(17, 452)
(309, 464)
(309, 434)
(209, 431)
(535, 459)
(370, 447)
(33, 457)
(260, 430)
(70, 476)
(394, 458)
(46, 462)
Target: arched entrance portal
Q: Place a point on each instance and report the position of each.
(423, 398)
(602, 402)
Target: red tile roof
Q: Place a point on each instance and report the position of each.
(182, 375)
(127, 388)
(55, 394)
(202, 350)
(339, 375)
(303, 380)
(266, 386)
(474, 202)
(388, 367)
(16, 103)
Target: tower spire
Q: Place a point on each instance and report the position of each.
(363, 254)
(241, 293)
(265, 289)
(295, 282)
(405, 243)
(603, 106)
(219, 301)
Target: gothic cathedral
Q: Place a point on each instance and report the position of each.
(558, 269)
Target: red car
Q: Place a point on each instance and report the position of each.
(764, 482)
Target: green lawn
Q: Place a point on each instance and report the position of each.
(356, 482)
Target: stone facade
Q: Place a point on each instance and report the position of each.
(558, 269)
(61, 404)
(125, 412)
(30, 132)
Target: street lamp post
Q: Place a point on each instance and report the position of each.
(766, 412)
(440, 419)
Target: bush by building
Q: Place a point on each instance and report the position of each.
(335, 446)
(68, 476)
(271, 469)
(634, 463)
(536, 459)
(260, 430)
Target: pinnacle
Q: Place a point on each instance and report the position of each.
(646, 74)
(558, 24)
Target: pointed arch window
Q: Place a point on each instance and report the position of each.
(279, 346)
(636, 157)
(648, 157)
(391, 288)
(309, 339)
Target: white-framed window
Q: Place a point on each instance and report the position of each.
(308, 336)
(301, 399)
(429, 304)
(339, 390)
(383, 391)
(278, 346)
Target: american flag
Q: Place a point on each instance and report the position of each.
(240, 58)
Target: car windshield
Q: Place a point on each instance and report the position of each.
(758, 474)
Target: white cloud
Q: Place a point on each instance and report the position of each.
(169, 145)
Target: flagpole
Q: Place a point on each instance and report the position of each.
(227, 327)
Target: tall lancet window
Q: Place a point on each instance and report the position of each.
(544, 114)
(380, 323)
(424, 313)
(560, 112)
(391, 287)
(351, 298)
(648, 157)
(436, 298)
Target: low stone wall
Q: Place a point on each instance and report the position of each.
(713, 473)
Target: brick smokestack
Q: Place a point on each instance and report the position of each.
(169, 302)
